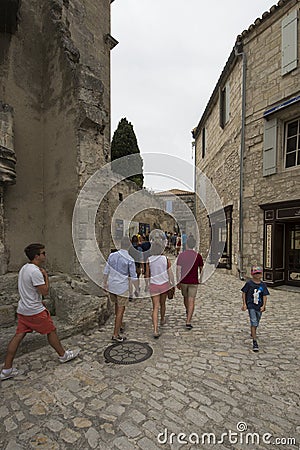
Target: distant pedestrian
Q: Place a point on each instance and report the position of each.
(183, 239)
(254, 296)
(158, 270)
(189, 267)
(33, 283)
(135, 251)
(119, 267)
(178, 244)
(173, 243)
(146, 245)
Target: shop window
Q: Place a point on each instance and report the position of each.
(292, 144)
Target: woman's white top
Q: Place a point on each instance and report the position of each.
(158, 269)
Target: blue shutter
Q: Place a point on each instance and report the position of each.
(270, 147)
(289, 43)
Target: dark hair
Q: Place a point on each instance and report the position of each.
(32, 250)
(191, 242)
(135, 239)
(156, 248)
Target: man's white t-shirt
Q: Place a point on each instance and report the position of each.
(30, 302)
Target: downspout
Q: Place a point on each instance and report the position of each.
(240, 52)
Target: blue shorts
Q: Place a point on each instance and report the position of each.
(255, 317)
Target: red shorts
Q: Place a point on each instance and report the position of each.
(42, 323)
(156, 289)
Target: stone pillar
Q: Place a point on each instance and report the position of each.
(7, 171)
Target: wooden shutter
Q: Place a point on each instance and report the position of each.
(227, 102)
(289, 43)
(270, 147)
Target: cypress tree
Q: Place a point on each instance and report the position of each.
(124, 143)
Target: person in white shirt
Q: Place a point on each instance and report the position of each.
(119, 267)
(159, 272)
(33, 283)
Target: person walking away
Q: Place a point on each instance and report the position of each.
(184, 239)
(146, 245)
(254, 294)
(135, 251)
(178, 245)
(33, 283)
(159, 272)
(119, 267)
(188, 269)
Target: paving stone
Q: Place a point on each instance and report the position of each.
(92, 436)
(206, 380)
(70, 436)
(130, 429)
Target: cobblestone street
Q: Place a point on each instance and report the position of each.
(207, 380)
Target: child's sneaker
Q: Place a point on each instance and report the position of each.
(255, 346)
(68, 356)
(8, 373)
(118, 338)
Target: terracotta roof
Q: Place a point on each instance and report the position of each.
(175, 192)
(263, 17)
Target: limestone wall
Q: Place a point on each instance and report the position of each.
(221, 162)
(55, 73)
(265, 86)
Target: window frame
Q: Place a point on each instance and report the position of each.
(297, 149)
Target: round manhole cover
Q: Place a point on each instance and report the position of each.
(128, 352)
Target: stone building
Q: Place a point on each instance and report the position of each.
(136, 211)
(248, 145)
(54, 124)
(181, 204)
(54, 119)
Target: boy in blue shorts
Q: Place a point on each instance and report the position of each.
(255, 294)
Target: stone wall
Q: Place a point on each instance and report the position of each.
(221, 162)
(55, 73)
(265, 86)
(55, 88)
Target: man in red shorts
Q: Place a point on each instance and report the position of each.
(33, 283)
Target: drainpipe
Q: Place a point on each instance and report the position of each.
(239, 52)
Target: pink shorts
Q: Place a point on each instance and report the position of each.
(156, 289)
(42, 323)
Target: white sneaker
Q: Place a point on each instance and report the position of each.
(11, 374)
(69, 354)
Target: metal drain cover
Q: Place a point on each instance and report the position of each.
(127, 352)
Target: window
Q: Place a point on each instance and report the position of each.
(292, 144)
(169, 206)
(203, 142)
(224, 105)
(289, 43)
(120, 197)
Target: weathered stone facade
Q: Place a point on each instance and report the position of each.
(54, 133)
(233, 148)
(181, 205)
(55, 77)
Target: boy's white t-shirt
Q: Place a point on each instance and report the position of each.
(30, 302)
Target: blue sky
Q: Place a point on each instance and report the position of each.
(165, 67)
